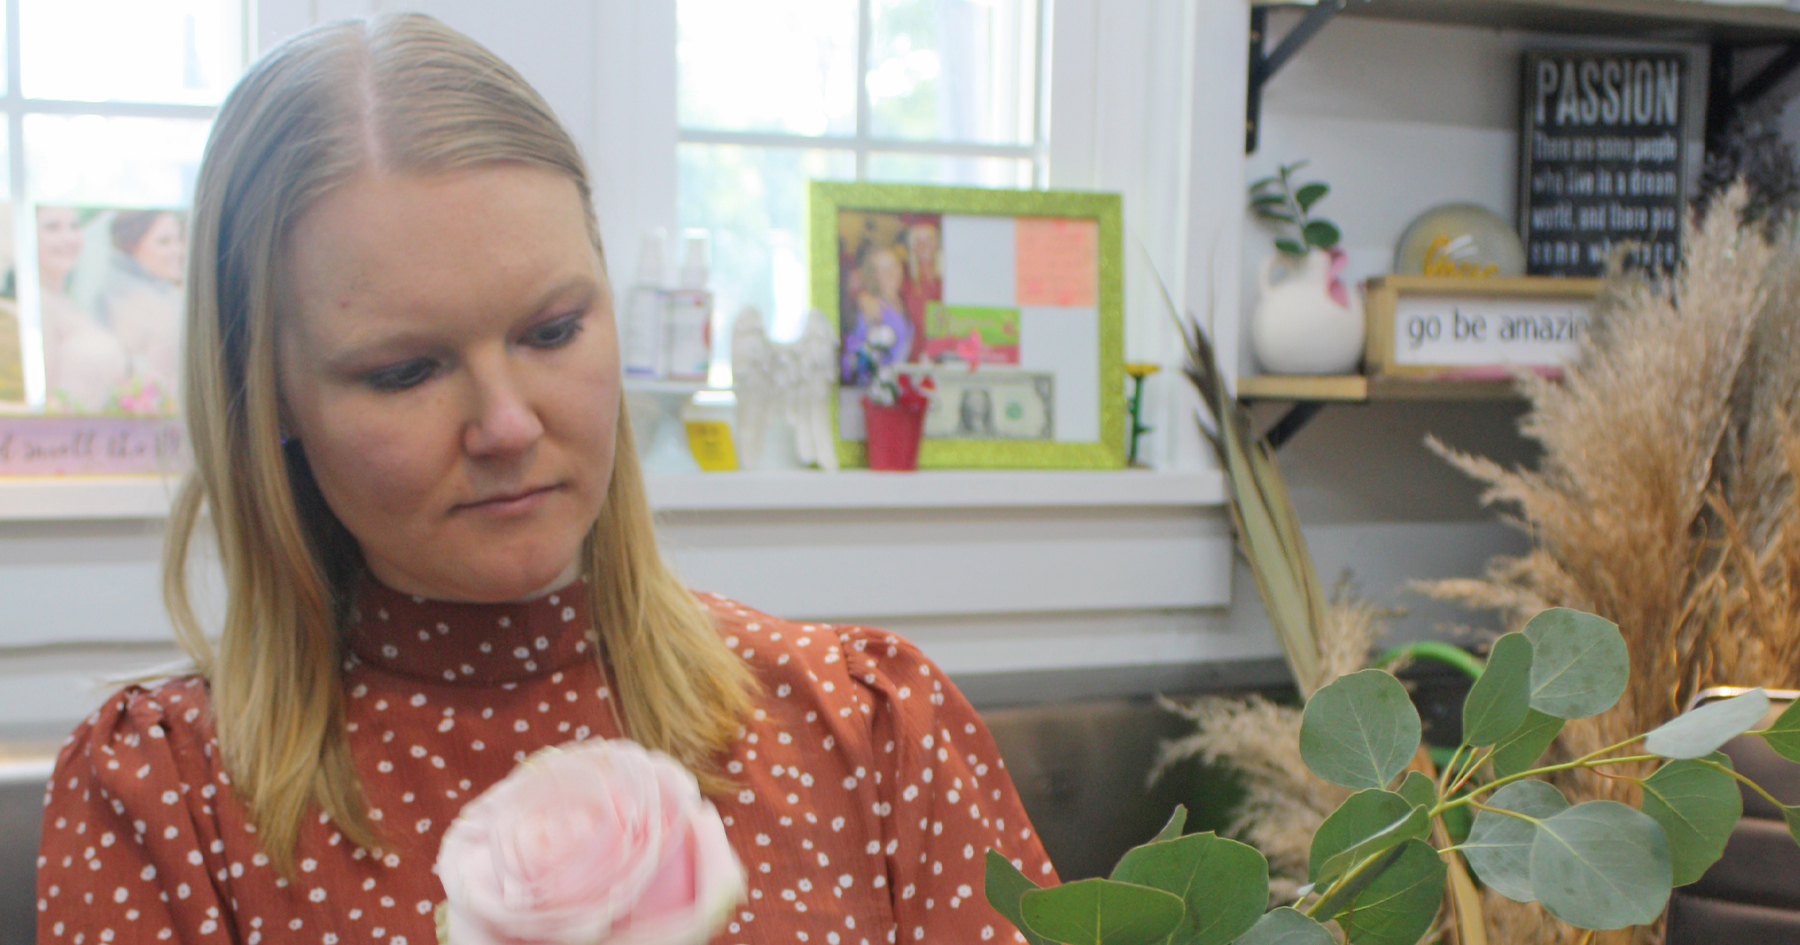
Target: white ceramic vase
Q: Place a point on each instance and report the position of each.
(1309, 322)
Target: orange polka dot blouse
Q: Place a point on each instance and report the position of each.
(869, 791)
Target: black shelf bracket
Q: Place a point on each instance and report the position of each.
(1291, 422)
(1725, 99)
(1263, 66)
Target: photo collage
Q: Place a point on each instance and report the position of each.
(999, 312)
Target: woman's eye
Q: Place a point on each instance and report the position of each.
(404, 375)
(554, 334)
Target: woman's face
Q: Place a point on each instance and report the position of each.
(59, 245)
(161, 251)
(449, 365)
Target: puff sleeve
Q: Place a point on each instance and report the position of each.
(945, 795)
(128, 828)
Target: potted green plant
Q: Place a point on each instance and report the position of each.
(1308, 322)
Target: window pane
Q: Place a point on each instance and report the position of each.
(753, 202)
(130, 162)
(953, 70)
(959, 171)
(178, 51)
(771, 65)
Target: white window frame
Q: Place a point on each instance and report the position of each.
(863, 142)
(16, 106)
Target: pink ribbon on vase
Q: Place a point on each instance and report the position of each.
(1334, 284)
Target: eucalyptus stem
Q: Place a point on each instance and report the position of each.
(1743, 779)
(1476, 758)
(1588, 761)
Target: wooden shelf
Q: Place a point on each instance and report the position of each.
(1360, 389)
(1667, 20)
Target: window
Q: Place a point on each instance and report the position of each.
(108, 104)
(773, 94)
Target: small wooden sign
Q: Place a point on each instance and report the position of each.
(91, 446)
(1601, 159)
(1475, 329)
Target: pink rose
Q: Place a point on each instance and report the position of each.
(594, 843)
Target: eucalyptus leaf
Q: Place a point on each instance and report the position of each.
(1359, 732)
(1310, 194)
(1419, 790)
(1290, 247)
(1601, 865)
(1222, 883)
(1367, 823)
(1403, 901)
(1696, 805)
(1004, 887)
(1792, 816)
(1340, 895)
(1320, 234)
(1497, 703)
(1101, 912)
(1521, 750)
(1286, 926)
(1579, 665)
(1172, 829)
(1784, 735)
(1702, 731)
(1499, 846)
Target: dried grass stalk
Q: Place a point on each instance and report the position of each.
(1284, 802)
(1664, 497)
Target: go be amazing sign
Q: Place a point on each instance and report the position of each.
(1602, 154)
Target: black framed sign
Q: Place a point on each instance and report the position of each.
(1601, 159)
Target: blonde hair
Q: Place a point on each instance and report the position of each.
(398, 94)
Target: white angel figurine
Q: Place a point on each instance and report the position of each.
(794, 381)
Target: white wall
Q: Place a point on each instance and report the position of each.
(1398, 118)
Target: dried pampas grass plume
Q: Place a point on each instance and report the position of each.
(1664, 498)
(1284, 802)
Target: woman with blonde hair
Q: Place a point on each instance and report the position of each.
(402, 386)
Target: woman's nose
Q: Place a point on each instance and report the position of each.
(503, 422)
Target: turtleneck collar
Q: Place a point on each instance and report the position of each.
(471, 644)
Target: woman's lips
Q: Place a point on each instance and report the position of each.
(510, 503)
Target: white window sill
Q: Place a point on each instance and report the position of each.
(149, 497)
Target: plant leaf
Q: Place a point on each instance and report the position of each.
(1601, 865)
(1700, 732)
(1290, 247)
(1310, 194)
(1419, 790)
(1520, 751)
(1263, 183)
(1359, 732)
(1320, 234)
(1101, 912)
(1367, 823)
(1579, 665)
(1498, 701)
(1792, 816)
(1401, 903)
(1286, 926)
(1172, 829)
(1784, 735)
(1222, 883)
(1499, 847)
(1004, 887)
(1696, 805)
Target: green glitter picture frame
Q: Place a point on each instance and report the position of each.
(1097, 215)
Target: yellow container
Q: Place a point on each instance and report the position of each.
(708, 419)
